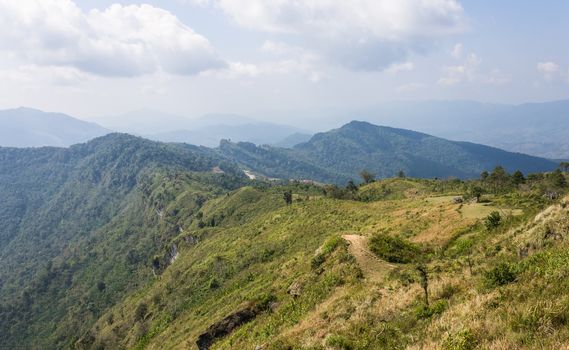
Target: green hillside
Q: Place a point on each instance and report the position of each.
(81, 226)
(124, 243)
(339, 155)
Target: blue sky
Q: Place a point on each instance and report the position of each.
(271, 58)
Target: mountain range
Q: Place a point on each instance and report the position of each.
(341, 154)
(26, 127)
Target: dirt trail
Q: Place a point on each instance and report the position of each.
(374, 269)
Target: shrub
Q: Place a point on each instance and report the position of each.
(338, 342)
(423, 311)
(140, 311)
(393, 249)
(493, 220)
(462, 340)
(500, 275)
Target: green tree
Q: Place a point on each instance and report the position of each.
(484, 175)
(499, 178)
(564, 166)
(518, 178)
(367, 177)
(424, 280)
(287, 196)
(351, 187)
(477, 192)
(558, 179)
(401, 174)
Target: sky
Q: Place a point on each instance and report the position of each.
(276, 58)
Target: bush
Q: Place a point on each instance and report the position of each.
(140, 312)
(423, 311)
(500, 275)
(338, 342)
(462, 340)
(493, 220)
(393, 249)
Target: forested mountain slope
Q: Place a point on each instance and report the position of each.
(80, 227)
(339, 155)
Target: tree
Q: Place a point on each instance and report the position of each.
(287, 196)
(484, 176)
(564, 166)
(499, 178)
(558, 179)
(367, 176)
(424, 276)
(401, 174)
(518, 178)
(477, 192)
(351, 186)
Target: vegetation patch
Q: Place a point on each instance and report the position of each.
(394, 249)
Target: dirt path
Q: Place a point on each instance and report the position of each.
(374, 269)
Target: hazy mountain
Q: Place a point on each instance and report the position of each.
(340, 154)
(26, 127)
(211, 135)
(293, 140)
(534, 128)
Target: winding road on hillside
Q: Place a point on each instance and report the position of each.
(374, 269)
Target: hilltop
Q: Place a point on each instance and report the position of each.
(340, 154)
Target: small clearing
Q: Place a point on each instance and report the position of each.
(374, 269)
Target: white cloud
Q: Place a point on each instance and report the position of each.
(400, 67)
(469, 72)
(457, 51)
(461, 73)
(410, 87)
(119, 41)
(548, 69)
(360, 34)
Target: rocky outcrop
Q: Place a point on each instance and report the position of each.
(224, 327)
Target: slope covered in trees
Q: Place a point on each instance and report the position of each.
(339, 155)
(80, 227)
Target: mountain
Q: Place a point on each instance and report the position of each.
(293, 140)
(25, 127)
(81, 225)
(533, 128)
(211, 135)
(339, 155)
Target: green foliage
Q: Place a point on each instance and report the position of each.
(394, 249)
(423, 311)
(464, 339)
(367, 177)
(500, 275)
(338, 342)
(493, 220)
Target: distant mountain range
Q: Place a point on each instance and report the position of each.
(26, 127)
(339, 155)
(534, 128)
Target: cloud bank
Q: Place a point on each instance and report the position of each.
(359, 34)
(120, 41)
